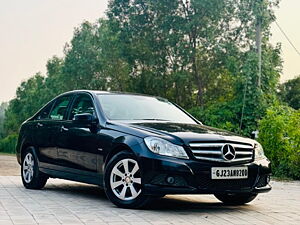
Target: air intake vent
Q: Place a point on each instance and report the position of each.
(223, 152)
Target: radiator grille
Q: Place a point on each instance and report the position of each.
(213, 152)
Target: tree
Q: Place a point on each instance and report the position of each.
(200, 53)
(93, 59)
(289, 92)
(181, 42)
(54, 84)
(3, 107)
(29, 99)
(81, 58)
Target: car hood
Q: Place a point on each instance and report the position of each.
(183, 133)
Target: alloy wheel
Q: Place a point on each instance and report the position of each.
(28, 168)
(125, 179)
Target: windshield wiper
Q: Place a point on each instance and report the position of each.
(152, 119)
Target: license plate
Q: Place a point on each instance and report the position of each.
(229, 172)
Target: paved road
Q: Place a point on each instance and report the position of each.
(65, 202)
(9, 165)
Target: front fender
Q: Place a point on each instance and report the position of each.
(127, 140)
(123, 142)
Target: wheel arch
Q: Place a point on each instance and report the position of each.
(23, 148)
(124, 143)
(115, 150)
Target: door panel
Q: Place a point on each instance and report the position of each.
(78, 144)
(43, 135)
(44, 139)
(47, 125)
(77, 147)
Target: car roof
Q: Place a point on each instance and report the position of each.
(97, 92)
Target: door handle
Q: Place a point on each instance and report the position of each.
(63, 129)
(39, 125)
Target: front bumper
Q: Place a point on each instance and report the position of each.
(166, 175)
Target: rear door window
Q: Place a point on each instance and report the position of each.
(44, 114)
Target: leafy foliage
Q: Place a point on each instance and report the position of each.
(3, 107)
(8, 144)
(199, 53)
(290, 92)
(280, 137)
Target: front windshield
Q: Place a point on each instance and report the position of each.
(136, 107)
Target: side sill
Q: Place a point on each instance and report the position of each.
(96, 180)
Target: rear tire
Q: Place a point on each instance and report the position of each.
(32, 178)
(123, 182)
(236, 199)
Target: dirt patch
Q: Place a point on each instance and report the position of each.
(9, 165)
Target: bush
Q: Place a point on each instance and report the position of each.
(217, 115)
(280, 137)
(8, 144)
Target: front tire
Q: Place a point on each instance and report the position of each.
(123, 181)
(32, 178)
(236, 199)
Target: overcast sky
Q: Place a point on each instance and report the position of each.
(32, 31)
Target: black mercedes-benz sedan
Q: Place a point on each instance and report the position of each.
(137, 148)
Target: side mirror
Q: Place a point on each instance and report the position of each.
(84, 119)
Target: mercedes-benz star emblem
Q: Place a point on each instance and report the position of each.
(228, 152)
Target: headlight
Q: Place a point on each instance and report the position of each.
(259, 152)
(163, 147)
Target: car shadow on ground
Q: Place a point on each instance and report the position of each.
(165, 204)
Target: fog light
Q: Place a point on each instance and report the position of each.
(170, 180)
